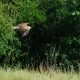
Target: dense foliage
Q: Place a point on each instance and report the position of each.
(54, 38)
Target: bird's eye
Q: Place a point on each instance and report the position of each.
(28, 25)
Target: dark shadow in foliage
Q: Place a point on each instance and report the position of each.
(37, 46)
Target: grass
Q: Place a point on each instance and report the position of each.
(35, 75)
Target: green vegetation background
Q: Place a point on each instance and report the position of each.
(55, 37)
